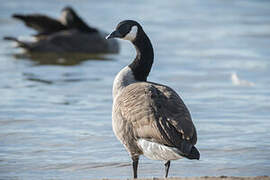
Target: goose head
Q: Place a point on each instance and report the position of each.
(132, 31)
(127, 30)
(73, 21)
(67, 16)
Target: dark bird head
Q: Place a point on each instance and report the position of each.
(70, 19)
(127, 30)
(68, 16)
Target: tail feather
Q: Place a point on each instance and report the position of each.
(189, 151)
(9, 38)
(20, 43)
(194, 153)
(19, 16)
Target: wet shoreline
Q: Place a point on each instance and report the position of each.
(207, 178)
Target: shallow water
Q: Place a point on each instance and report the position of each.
(55, 113)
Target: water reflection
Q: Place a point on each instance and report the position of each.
(64, 79)
(64, 59)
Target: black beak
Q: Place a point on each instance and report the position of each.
(114, 34)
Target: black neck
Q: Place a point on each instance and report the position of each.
(142, 64)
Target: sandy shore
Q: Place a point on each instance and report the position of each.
(208, 178)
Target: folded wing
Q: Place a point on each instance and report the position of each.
(41, 23)
(157, 113)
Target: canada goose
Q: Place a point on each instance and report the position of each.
(69, 34)
(149, 119)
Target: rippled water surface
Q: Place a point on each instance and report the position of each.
(55, 112)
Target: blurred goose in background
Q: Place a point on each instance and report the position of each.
(68, 34)
(149, 119)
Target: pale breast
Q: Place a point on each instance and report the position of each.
(124, 78)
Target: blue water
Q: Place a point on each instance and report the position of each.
(55, 113)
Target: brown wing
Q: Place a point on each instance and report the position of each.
(41, 23)
(158, 113)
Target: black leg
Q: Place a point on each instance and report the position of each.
(135, 166)
(167, 167)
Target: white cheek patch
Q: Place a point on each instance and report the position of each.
(132, 34)
(65, 17)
